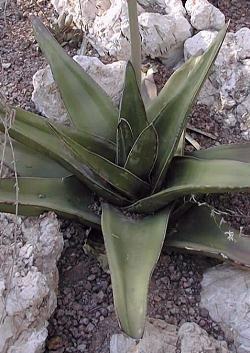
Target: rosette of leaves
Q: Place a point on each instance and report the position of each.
(131, 160)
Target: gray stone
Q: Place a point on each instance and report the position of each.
(28, 281)
(162, 35)
(83, 11)
(47, 98)
(108, 30)
(226, 295)
(158, 337)
(203, 15)
(193, 339)
(227, 90)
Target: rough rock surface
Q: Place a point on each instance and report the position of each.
(161, 337)
(47, 98)
(227, 90)
(28, 280)
(193, 339)
(163, 36)
(174, 7)
(203, 15)
(158, 337)
(108, 28)
(83, 11)
(226, 294)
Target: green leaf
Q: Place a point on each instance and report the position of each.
(132, 107)
(169, 111)
(143, 154)
(125, 142)
(237, 152)
(181, 145)
(104, 147)
(121, 179)
(66, 196)
(88, 105)
(36, 134)
(188, 176)
(133, 247)
(30, 163)
(203, 231)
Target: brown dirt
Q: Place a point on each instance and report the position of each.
(84, 318)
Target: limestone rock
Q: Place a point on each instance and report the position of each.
(158, 337)
(226, 294)
(167, 6)
(83, 11)
(203, 15)
(162, 35)
(193, 339)
(227, 90)
(47, 98)
(161, 337)
(28, 280)
(174, 7)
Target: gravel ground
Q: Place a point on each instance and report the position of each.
(84, 318)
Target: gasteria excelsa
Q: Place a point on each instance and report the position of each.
(131, 160)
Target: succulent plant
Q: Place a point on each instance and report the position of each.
(132, 162)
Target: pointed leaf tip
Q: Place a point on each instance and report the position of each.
(133, 247)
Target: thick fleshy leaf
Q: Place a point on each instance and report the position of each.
(36, 134)
(169, 111)
(121, 179)
(132, 107)
(143, 154)
(201, 230)
(30, 163)
(94, 143)
(66, 196)
(124, 142)
(237, 152)
(188, 176)
(133, 247)
(88, 105)
(181, 145)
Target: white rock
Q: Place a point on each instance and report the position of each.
(174, 7)
(203, 15)
(28, 297)
(168, 6)
(47, 98)
(226, 295)
(158, 337)
(198, 44)
(193, 339)
(162, 35)
(108, 28)
(161, 337)
(83, 11)
(34, 344)
(109, 33)
(227, 90)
